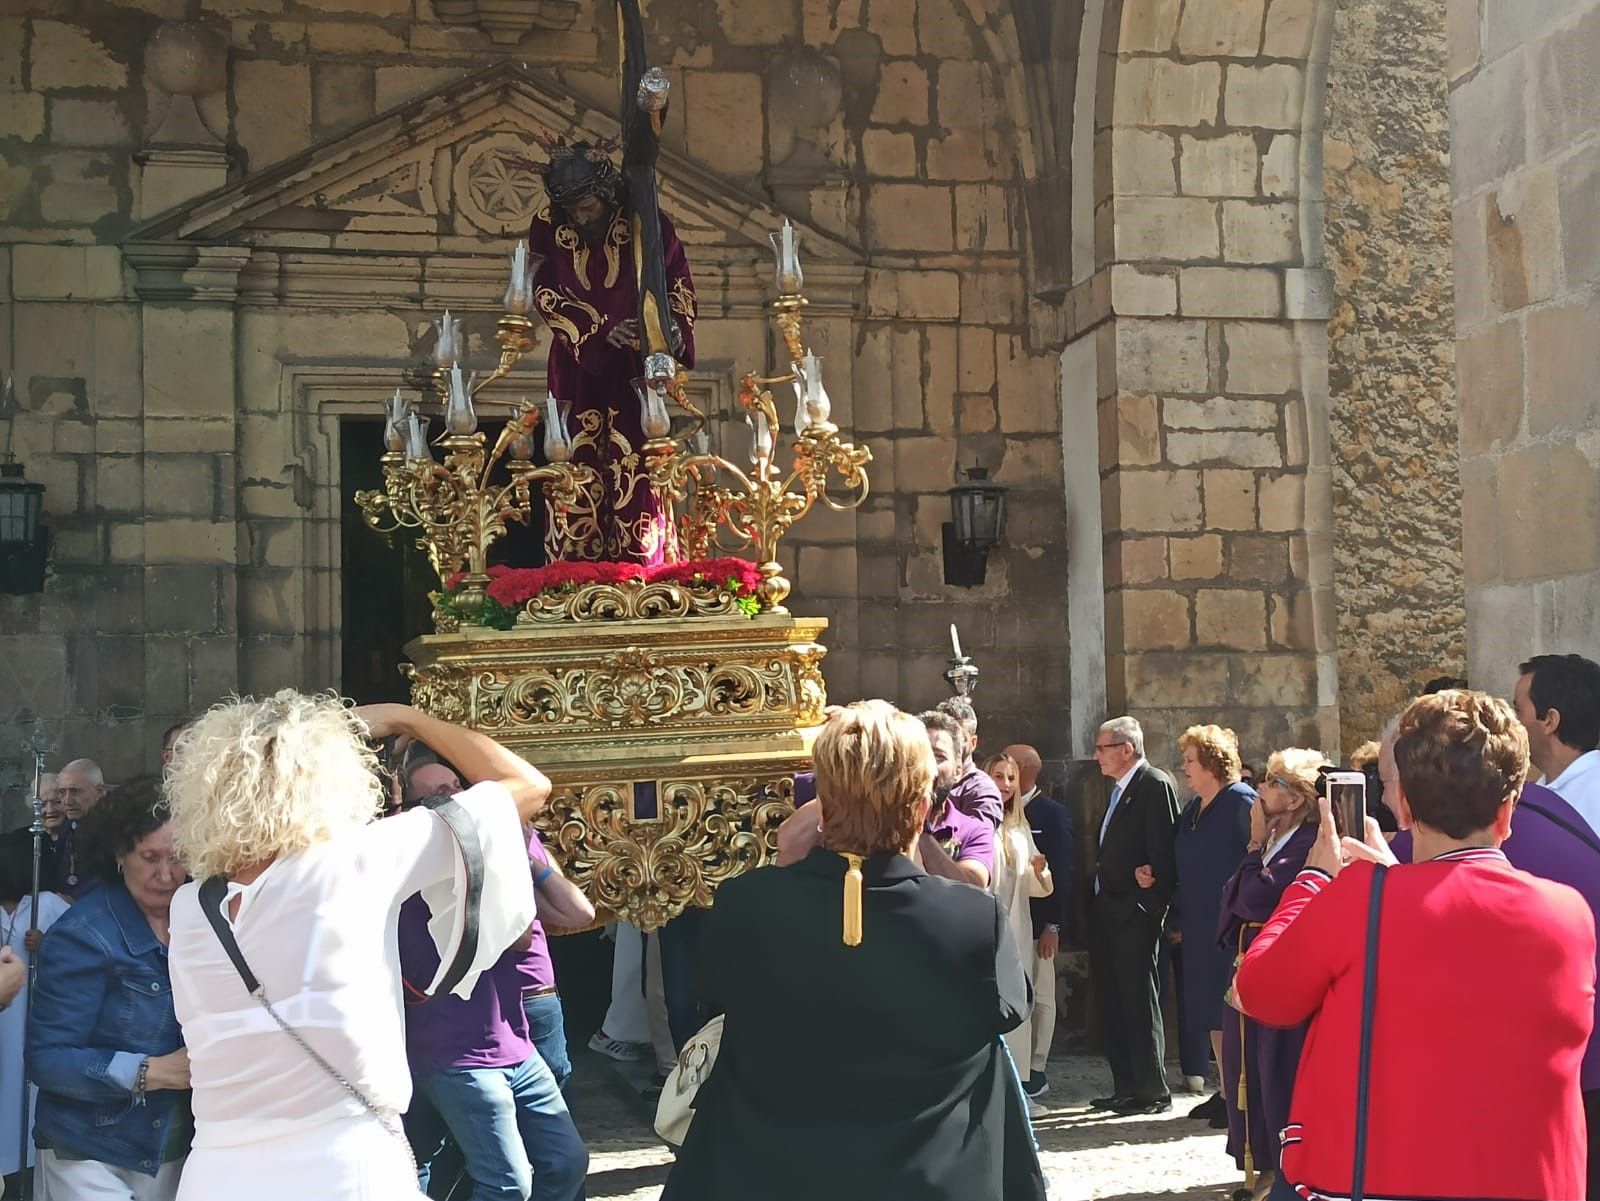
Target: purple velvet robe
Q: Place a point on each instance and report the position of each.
(1268, 1056)
(581, 292)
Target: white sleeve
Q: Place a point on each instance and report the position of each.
(506, 908)
(51, 907)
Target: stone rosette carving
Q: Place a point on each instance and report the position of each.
(490, 195)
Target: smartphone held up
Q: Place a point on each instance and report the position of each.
(1347, 797)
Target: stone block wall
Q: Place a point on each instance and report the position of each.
(1397, 496)
(178, 411)
(1207, 315)
(1525, 167)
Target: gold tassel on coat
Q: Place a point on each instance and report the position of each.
(852, 901)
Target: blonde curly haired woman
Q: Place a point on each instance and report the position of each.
(277, 798)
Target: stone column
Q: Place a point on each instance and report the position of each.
(1208, 319)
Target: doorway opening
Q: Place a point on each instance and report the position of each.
(386, 578)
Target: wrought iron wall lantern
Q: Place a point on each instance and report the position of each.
(24, 542)
(977, 525)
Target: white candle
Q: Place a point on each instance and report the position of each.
(789, 277)
(955, 641)
(518, 297)
(761, 439)
(553, 418)
(444, 349)
(416, 440)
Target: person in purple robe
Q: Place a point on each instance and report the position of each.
(586, 289)
(1259, 1062)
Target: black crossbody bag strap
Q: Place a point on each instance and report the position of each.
(466, 835)
(1369, 1002)
(213, 893)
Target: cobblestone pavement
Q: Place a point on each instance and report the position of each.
(1086, 1155)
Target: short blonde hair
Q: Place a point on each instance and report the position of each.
(1365, 755)
(873, 766)
(1296, 767)
(1460, 755)
(253, 780)
(1215, 749)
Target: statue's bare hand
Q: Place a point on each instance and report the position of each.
(624, 333)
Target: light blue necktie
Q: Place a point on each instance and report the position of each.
(1105, 824)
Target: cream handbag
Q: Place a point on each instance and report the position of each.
(675, 1109)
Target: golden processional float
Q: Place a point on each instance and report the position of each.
(670, 712)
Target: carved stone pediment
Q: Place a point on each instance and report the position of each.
(428, 182)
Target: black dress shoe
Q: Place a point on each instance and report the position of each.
(1210, 1108)
(1135, 1105)
(1111, 1102)
(1219, 1121)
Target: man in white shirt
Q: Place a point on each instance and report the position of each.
(1557, 699)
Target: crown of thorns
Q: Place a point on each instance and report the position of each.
(571, 170)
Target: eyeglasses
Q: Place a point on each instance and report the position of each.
(1106, 746)
(1280, 782)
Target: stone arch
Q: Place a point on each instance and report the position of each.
(1197, 352)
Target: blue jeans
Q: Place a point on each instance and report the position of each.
(548, 1030)
(512, 1126)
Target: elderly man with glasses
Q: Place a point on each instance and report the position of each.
(1135, 873)
(79, 787)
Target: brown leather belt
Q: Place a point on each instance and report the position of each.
(544, 990)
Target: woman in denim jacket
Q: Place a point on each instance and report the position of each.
(104, 1046)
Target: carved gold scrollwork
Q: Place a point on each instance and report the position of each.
(632, 599)
(636, 689)
(438, 691)
(649, 871)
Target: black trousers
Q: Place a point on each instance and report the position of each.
(1123, 951)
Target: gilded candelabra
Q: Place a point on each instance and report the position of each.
(727, 505)
(459, 511)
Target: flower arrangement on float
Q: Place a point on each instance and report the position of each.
(510, 589)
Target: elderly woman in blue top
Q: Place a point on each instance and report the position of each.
(104, 1046)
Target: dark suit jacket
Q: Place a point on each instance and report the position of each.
(863, 1073)
(1051, 823)
(1143, 830)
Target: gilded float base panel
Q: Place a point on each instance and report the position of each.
(672, 742)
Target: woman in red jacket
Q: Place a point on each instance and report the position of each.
(1485, 986)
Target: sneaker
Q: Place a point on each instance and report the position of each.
(1035, 1110)
(615, 1048)
(1195, 1084)
(1036, 1085)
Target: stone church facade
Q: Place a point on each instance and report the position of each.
(1277, 317)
